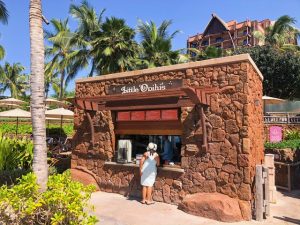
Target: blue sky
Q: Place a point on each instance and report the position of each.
(190, 17)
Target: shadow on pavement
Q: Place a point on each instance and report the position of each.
(287, 219)
(292, 194)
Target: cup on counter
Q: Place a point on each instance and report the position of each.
(138, 158)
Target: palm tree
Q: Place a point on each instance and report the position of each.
(209, 52)
(13, 79)
(88, 24)
(40, 166)
(281, 33)
(4, 20)
(157, 43)
(114, 49)
(62, 53)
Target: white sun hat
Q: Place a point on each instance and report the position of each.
(151, 146)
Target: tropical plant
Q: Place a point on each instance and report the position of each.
(209, 52)
(89, 23)
(12, 78)
(281, 70)
(37, 88)
(15, 153)
(281, 33)
(115, 49)
(157, 43)
(51, 79)
(292, 135)
(294, 144)
(62, 54)
(64, 202)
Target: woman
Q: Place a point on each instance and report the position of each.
(148, 171)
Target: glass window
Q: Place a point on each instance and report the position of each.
(219, 39)
(139, 143)
(193, 45)
(204, 43)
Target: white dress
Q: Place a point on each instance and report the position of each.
(149, 170)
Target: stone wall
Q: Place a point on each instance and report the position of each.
(234, 133)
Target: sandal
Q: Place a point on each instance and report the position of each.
(143, 202)
(150, 203)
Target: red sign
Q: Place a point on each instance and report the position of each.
(148, 115)
(153, 114)
(169, 114)
(138, 115)
(275, 134)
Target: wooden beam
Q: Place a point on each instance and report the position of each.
(91, 128)
(179, 104)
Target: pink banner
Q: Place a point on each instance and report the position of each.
(275, 134)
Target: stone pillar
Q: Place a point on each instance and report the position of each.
(269, 162)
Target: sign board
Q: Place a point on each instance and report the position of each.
(150, 86)
(275, 133)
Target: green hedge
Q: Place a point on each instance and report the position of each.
(294, 144)
(10, 128)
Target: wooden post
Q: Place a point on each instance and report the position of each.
(266, 191)
(289, 177)
(259, 198)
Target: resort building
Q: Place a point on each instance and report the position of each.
(228, 35)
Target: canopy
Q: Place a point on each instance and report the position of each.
(52, 101)
(12, 101)
(5, 105)
(60, 112)
(272, 101)
(16, 113)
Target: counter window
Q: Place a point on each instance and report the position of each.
(130, 148)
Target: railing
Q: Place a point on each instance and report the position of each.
(282, 118)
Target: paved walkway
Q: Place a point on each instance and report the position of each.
(114, 209)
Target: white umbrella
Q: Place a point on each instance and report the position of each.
(271, 101)
(6, 105)
(52, 101)
(12, 101)
(60, 113)
(16, 113)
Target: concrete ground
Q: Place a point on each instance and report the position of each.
(115, 209)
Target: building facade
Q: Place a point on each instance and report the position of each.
(228, 35)
(210, 110)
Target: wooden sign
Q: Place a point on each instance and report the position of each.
(150, 86)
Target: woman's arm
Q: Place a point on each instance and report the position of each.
(157, 160)
(142, 163)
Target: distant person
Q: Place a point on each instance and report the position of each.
(167, 154)
(148, 171)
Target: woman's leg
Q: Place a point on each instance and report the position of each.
(144, 194)
(149, 194)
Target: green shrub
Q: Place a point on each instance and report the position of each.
(9, 177)
(292, 135)
(15, 153)
(64, 202)
(294, 144)
(10, 128)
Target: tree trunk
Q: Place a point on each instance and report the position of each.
(37, 87)
(62, 79)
